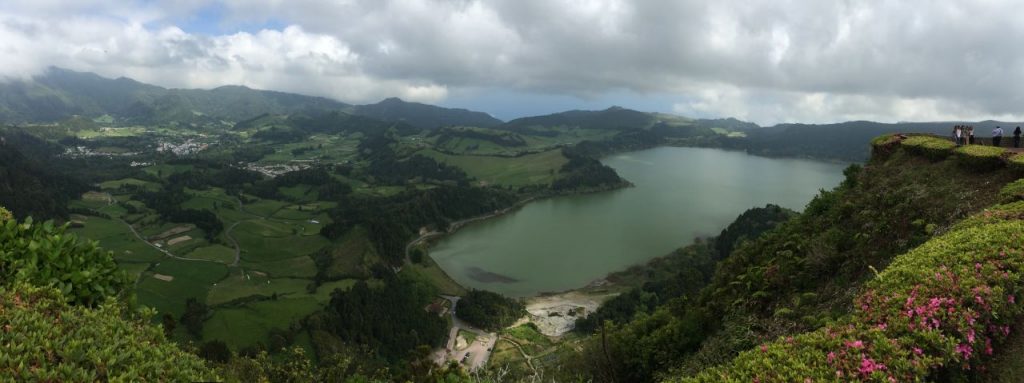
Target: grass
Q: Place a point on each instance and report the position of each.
(468, 336)
(192, 279)
(116, 237)
(298, 267)
(116, 184)
(352, 256)
(529, 337)
(430, 273)
(530, 169)
(264, 241)
(245, 284)
(244, 326)
(323, 293)
(217, 252)
(265, 207)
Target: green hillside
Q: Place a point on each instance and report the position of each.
(907, 270)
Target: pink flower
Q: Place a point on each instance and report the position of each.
(882, 326)
(988, 346)
(918, 351)
(868, 365)
(855, 344)
(831, 357)
(764, 348)
(1011, 299)
(964, 350)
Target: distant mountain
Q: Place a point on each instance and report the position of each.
(614, 118)
(846, 141)
(423, 115)
(61, 93)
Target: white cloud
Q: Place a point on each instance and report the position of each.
(811, 61)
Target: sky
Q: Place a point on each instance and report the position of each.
(763, 61)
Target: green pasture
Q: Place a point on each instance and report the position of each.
(531, 169)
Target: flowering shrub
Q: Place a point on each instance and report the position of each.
(945, 303)
(981, 157)
(932, 147)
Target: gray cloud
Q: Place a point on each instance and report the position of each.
(765, 61)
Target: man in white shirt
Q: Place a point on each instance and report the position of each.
(997, 136)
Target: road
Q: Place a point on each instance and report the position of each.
(473, 357)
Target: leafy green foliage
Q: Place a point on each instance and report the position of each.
(488, 310)
(28, 186)
(45, 339)
(42, 254)
(1013, 191)
(932, 147)
(943, 304)
(980, 157)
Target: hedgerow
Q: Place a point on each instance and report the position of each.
(1013, 191)
(981, 157)
(932, 147)
(44, 339)
(945, 303)
(42, 254)
(1016, 162)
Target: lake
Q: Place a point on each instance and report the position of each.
(567, 242)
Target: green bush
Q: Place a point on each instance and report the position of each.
(5, 214)
(934, 148)
(1016, 162)
(981, 157)
(1013, 191)
(44, 255)
(884, 145)
(943, 304)
(44, 339)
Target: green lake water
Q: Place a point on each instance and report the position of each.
(563, 243)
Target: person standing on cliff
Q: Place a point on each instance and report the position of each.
(958, 134)
(997, 136)
(1016, 137)
(970, 135)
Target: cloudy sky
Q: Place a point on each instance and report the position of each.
(762, 61)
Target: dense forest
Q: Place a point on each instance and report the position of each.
(489, 311)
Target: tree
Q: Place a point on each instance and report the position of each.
(194, 315)
(169, 324)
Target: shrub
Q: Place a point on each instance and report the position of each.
(43, 338)
(1016, 162)
(1013, 191)
(981, 157)
(934, 148)
(43, 255)
(884, 145)
(5, 214)
(944, 303)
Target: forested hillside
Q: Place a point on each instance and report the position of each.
(815, 269)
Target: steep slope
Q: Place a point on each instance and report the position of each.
(937, 313)
(807, 272)
(424, 116)
(29, 187)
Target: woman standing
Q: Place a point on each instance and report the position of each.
(970, 135)
(958, 134)
(1016, 137)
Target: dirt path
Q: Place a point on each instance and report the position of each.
(529, 359)
(238, 250)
